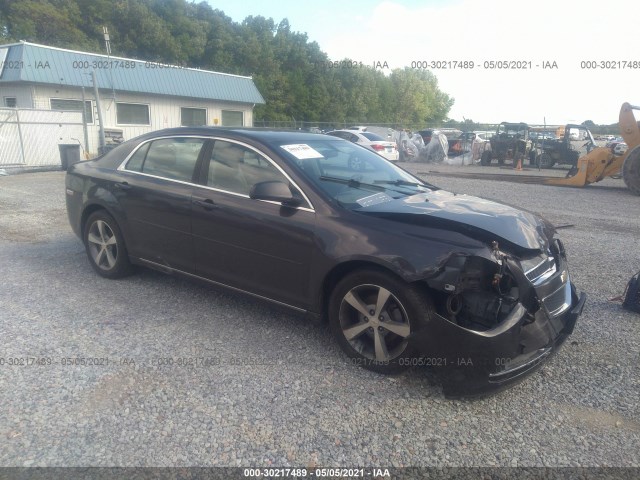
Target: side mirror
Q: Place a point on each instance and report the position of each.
(274, 191)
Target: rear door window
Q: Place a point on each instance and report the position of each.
(135, 162)
(172, 158)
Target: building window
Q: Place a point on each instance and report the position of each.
(67, 105)
(232, 119)
(10, 102)
(193, 117)
(132, 114)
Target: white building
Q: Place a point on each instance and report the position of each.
(41, 91)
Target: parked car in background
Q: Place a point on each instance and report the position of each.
(480, 143)
(611, 144)
(370, 140)
(610, 141)
(455, 138)
(483, 136)
(620, 148)
(402, 270)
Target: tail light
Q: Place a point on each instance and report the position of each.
(377, 147)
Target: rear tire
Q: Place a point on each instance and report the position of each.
(631, 170)
(105, 246)
(372, 313)
(485, 159)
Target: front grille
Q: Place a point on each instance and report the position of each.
(559, 301)
(542, 271)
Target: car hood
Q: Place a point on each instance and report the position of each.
(471, 215)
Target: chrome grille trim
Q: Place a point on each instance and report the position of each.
(559, 301)
(541, 272)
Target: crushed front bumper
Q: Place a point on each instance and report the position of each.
(472, 363)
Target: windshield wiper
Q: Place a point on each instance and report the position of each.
(405, 183)
(351, 182)
(399, 182)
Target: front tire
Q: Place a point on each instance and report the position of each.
(372, 313)
(105, 246)
(545, 161)
(485, 159)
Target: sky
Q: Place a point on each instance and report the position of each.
(570, 38)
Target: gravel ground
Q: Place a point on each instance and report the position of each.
(277, 390)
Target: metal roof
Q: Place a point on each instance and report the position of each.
(28, 62)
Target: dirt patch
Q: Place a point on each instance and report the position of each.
(596, 418)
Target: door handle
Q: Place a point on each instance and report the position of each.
(206, 204)
(122, 186)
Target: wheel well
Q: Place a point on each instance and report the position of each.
(85, 215)
(340, 271)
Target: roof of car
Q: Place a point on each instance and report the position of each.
(263, 134)
(266, 136)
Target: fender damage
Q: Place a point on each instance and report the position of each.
(500, 312)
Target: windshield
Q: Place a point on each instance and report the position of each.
(349, 174)
(372, 136)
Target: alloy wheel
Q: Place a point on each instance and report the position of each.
(374, 322)
(103, 245)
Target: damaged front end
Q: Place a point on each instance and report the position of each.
(497, 317)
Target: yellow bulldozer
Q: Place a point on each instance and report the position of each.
(601, 162)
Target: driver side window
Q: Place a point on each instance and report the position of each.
(235, 168)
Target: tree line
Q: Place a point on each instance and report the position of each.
(296, 78)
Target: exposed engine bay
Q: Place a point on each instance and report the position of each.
(478, 294)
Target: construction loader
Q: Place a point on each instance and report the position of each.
(601, 162)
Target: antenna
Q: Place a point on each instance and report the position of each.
(107, 43)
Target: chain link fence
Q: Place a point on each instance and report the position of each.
(30, 137)
(324, 126)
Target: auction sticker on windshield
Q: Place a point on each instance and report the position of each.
(302, 151)
(374, 199)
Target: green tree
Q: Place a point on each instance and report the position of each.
(43, 21)
(292, 73)
(417, 98)
(143, 34)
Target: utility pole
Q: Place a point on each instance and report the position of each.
(95, 92)
(84, 125)
(107, 44)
